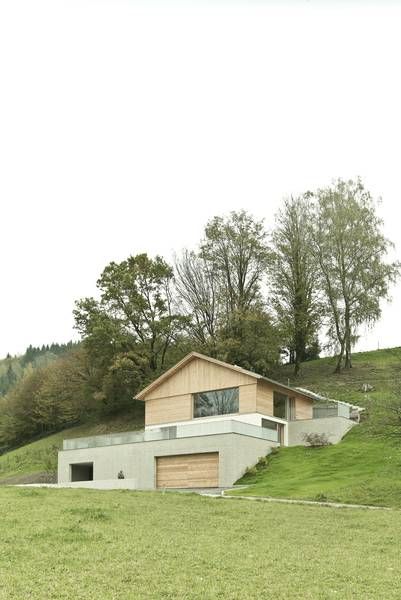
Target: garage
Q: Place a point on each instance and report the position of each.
(81, 472)
(188, 470)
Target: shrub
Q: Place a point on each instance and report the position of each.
(316, 440)
(251, 471)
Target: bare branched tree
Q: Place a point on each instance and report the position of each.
(197, 288)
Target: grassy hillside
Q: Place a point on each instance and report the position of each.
(88, 544)
(37, 461)
(380, 368)
(361, 469)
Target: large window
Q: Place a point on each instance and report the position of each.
(217, 402)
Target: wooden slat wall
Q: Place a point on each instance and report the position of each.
(168, 410)
(247, 398)
(303, 408)
(188, 470)
(264, 398)
(199, 376)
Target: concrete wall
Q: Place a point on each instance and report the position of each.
(138, 461)
(334, 427)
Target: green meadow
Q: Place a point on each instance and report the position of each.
(95, 545)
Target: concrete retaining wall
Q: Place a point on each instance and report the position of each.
(334, 427)
(138, 460)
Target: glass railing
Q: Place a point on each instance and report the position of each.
(173, 432)
(110, 439)
(332, 409)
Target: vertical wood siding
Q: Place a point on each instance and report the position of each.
(188, 471)
(303, 408)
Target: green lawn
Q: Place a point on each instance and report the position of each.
(360, 470)
(39, 459)
(86, 544)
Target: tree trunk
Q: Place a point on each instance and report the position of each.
(348, 361)
(340, 358)
(300, 350)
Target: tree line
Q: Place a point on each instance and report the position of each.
(13, 368)
(246, 295)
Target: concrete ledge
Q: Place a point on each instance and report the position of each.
(102, 484)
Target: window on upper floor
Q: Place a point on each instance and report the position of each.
(216, 402)
(280, 405)
(283, 406)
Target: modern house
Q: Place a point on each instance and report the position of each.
(206, 421)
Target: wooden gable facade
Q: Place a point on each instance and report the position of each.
(169, 399)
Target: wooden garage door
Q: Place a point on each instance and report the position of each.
(188, 470)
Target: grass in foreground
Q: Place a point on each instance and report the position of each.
(81, 544)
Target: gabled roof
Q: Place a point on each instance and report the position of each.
(196, 355)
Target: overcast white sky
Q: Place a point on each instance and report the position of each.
(125, 126)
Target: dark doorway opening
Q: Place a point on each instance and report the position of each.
(81, 472)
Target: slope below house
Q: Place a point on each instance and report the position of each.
(360, 470)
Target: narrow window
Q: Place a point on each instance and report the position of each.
(280, 405)
(291, 405)
(269, 424)
(216, 402)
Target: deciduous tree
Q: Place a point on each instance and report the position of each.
(292, 283)
(351, 251)
(135, 309)
(237, 251)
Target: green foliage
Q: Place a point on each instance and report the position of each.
(45, 399)
(236, 248)
(135, 309)
(129, 332)
(12, 369)
(122, 380)
(250, 340)
(292, 281)
(350, 251)
(220, 290)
